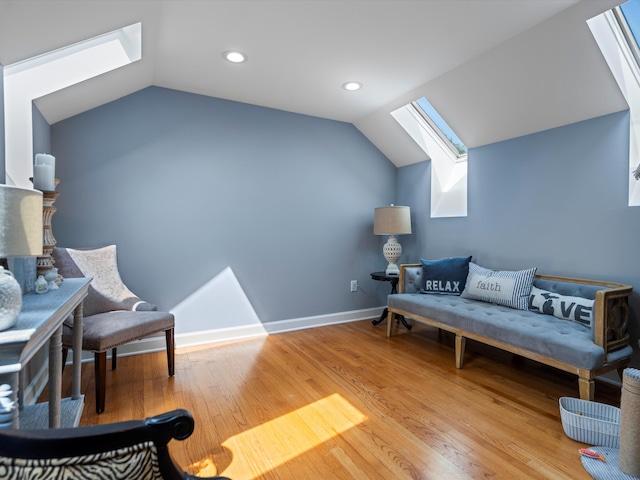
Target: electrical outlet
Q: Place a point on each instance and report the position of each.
(354, 285)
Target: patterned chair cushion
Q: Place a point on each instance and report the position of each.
(138, 461)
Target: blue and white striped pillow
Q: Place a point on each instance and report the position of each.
(503, 287)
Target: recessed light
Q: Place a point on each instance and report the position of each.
(235, 56)
(352, 86)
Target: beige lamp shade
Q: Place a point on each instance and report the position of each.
(21, 235)
(21, 231)
(392, 220)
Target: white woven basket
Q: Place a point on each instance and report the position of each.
(590, 422)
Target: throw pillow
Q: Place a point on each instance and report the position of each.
(445, 276)
(503, 287)
(575, 309)
(107, 292)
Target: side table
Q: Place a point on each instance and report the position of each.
(383, 277)
(40, 322)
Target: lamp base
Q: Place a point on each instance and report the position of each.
(392, 269)
(392, 251)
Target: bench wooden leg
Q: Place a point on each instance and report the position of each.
(390, 318)
(460, 344)
(587, 387)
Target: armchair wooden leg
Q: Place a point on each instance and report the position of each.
(114, 354)
(101, 379)
(171, 351)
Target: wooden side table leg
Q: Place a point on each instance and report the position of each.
(55, 377)
(404, 321)
(23, 382)
(385, 312)
(77, 351)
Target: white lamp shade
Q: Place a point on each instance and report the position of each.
(392, 220)
(21, 231)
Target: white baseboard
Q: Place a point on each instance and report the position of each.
(193, 339)
(205, 337)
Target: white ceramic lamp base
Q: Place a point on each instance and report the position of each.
(392, 251)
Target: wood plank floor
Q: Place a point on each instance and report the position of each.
(345, 402)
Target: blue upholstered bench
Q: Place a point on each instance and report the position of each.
(544, 338)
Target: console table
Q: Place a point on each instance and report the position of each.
(40, 321)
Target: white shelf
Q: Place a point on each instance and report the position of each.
(37, 416)
(40, 322)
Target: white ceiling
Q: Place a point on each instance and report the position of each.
(494, 68)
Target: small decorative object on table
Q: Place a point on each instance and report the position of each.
(45, 261)
(52, 279)
(41, 285)
(44, 172)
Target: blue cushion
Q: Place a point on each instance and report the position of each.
(445, 276)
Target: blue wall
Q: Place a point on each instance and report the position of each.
(555, 199)
(188, 185)
(41, 132)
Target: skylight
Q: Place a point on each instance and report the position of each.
(447, 153)
(441, 127)
(616, 32)
(631, 13)
(44, 74)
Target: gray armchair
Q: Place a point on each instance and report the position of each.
(113, 315)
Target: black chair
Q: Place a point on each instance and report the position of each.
(132, 450)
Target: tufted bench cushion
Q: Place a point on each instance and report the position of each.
(543, 334)
(570, 346)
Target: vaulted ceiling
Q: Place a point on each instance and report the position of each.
(495, 69)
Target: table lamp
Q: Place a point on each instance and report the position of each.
(392, 221)
(21, 235)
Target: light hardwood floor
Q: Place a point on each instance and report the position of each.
(345, 402)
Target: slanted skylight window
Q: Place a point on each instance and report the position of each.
(630, 22)
(441, 127)
(44, 74)
(448, 156)
(616, 32)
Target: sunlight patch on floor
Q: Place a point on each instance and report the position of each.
(273, 443)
